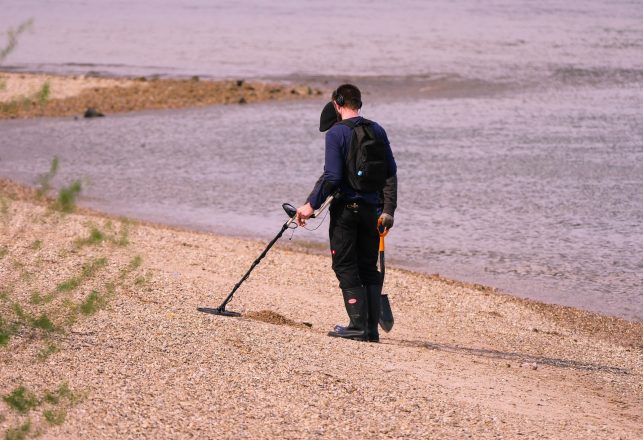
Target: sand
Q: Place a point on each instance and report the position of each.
(22, 95)
(462, 361)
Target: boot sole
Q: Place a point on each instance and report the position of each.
(351, 337)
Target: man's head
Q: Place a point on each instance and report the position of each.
(348, 95)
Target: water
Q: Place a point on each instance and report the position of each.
(516, 128)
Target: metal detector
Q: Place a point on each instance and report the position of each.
(291, 211)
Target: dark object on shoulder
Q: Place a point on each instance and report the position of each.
(328, 117)
(91, 112)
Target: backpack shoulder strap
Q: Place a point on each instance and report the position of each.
(352, 124)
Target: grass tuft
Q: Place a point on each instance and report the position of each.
(42, 96)
(123, 235)
(55, 417)
(44, 354)
(6, 331)
(37, 299)
(20, 313)
(63, 392)
(4, 207)
(88, 271)
(21, 400)
(67, 196)
(68, 285)
(44, 180)
(93, 303)
(72, 312)
(19, 433)
(96, 236)
(3, 252)
(36, 245)
(135, 263)
(43, 323)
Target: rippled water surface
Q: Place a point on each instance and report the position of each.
(516, 127)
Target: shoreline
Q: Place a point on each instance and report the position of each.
(108, 313)
(34, 95)
(28, 193)
(19, 191)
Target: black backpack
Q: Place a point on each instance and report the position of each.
(366, 165)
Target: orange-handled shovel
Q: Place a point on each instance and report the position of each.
(386, 314)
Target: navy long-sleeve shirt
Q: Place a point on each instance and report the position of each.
(338, 141)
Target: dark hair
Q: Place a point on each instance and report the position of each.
(348, 95)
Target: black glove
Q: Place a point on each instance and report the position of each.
(386, 220)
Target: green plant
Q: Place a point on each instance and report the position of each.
(21, 400)
(69, 285)
(25, 275)
(96, 236)
(63, 392)
(67, 196)
(47, 351)
(43, 323)
(6, 331)
(20, 313)
(72, 311)
(19, 433)
(88, 270)
(44, 180)
(36, 245)
(135, 263)
(37, 299)
(42, 96)
(140, 280)
(4, 206)
(3, 252)
(12, 38)
(55, 417)
(92, 303)
(123, 235)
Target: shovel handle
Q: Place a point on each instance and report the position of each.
(383, 232)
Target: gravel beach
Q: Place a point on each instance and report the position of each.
(30, 95)
(132, 358)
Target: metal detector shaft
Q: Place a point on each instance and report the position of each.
(255, 263)
(292, 213)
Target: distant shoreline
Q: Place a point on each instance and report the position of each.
(32, 95)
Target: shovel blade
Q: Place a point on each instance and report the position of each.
(386, 314)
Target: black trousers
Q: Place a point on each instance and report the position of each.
(354, 243)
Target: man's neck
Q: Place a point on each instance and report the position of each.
(348, 113)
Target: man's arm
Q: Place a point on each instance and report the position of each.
(390, 196)
(389, 192)
(329, 180)
(333, 170)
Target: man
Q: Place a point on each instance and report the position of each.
(354, 215)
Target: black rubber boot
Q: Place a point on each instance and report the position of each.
(355, 301)
(373, 294)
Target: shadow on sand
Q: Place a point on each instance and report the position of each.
(509, 356)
